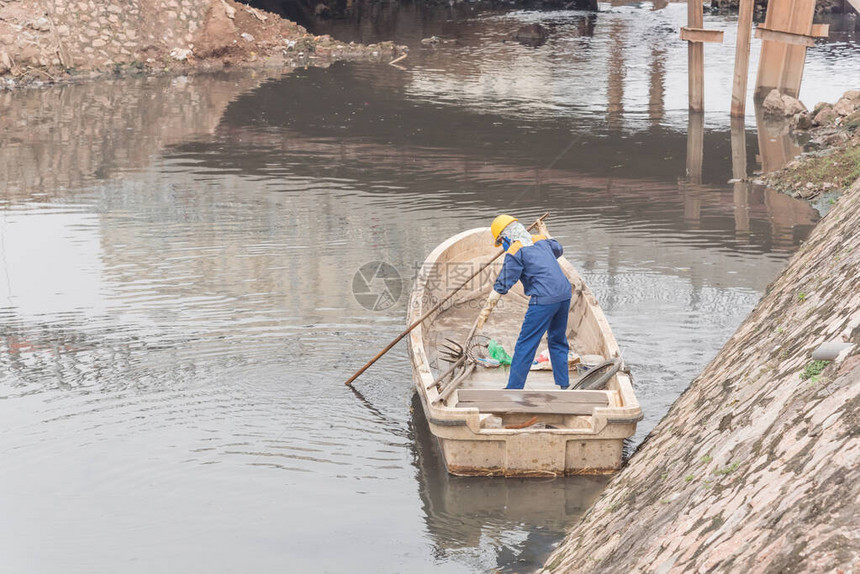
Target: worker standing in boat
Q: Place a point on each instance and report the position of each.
(533, 259)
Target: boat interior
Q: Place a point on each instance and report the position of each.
(588, 335)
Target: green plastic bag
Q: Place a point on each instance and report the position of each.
(498, 352)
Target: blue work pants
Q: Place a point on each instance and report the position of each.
(540, 319)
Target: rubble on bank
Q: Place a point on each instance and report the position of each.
(756, 467)
(832, 139)
(56, 40)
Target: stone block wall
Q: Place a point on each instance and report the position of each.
(92, 34)
(102, 32)
(48, 39)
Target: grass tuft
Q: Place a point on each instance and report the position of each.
(728, 469)
(840, 168)
(813, 369)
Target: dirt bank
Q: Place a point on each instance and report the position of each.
(756, 468)
(54, 40)
(830, 135)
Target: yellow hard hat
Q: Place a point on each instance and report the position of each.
(499, 224)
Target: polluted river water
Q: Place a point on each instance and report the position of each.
(178, 260)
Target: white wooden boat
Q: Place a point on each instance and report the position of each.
(564, 431)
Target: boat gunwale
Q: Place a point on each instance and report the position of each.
(443, 415)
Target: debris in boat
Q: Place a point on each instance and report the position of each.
(542, 358)
(590, 361)
(489, 363)
(491, 421)
(542, 363)
(528, 423)
(498, 352)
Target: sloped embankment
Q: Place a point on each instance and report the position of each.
(755, 467)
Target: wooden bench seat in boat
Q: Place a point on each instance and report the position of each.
(525, 401)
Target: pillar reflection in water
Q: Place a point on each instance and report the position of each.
(775, 144)
(656, 85)
(740, 185)
(58, 140)
(790, 218)
(777, 148)
(691, 188)
(617, 72)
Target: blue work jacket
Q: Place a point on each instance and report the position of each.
(537, 267)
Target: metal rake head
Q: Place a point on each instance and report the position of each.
(452, 352)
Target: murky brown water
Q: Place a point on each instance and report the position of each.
(176, 316)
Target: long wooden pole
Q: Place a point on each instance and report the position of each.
(781, 64)
(742, 58)
(695, 146)
(696, 58)
(795, 56)
(398, 338)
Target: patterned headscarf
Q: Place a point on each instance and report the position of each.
(515, 231)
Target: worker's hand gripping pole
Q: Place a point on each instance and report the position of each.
(489, 305)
